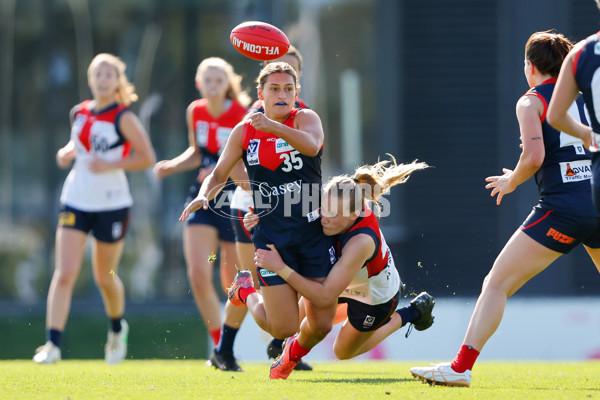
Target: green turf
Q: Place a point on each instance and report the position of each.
(192, 379)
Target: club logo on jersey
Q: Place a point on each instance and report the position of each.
(100, 144)
(576, 171)
(597, 48)
(369, 321)
(281, 146)
(252, 152)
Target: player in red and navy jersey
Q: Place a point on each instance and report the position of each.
(578, 75)
(241, 202)
(106, 139)
(210, 121)
(563, 218)
(364, 275)
(281, 150)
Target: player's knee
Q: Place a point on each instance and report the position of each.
(104, 280)
(342, 354)
(65, 278)
(322, 328)
(198, 277)
(282, 331)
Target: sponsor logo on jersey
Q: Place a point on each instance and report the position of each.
(559, 237)
(281, 146)
(266, 273)
(267, 190)
(576, 171)
(313, 215)
(369, 321)
(66, 218)
(252, 152)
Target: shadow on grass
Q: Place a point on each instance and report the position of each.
(363, 381)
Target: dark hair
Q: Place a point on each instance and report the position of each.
(547, 50)
(294, 52)
(275, 67)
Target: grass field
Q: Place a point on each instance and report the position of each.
(192, 379)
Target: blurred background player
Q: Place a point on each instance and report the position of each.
(364, 275)
(210, 121)
(563, 218)
(106, 139)
(240, 204)
(281, 150)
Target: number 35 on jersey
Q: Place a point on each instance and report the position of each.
(285, 155)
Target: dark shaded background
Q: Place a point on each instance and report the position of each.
(439, 80)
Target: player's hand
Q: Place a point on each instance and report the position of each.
(162, 169)
(500, 185)
(198, 203)
(250, 219)
(204, 172)
(269, 259)
(97, 165)
(260, 122)
(64, 157)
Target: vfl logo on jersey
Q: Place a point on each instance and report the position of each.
(332, 257)
(576, 171)
(369, 321)
(252, 152)
(281, 146)
(597, 48)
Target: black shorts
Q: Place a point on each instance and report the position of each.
(367, 317)
(312, 258)
(237, 223)
(106, 226)
(218, 215)
(561, 232)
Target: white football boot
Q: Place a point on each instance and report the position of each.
(442, 374)
(47, 354)
(116, 344)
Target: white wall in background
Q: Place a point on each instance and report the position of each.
(532, 328)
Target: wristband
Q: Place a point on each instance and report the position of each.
(285, 273)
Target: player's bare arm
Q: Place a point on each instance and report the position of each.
(212, 185)
(322, 294)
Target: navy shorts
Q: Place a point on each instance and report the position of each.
(106, 226)
(367, 317)
(312, 258)
(237, 223)
(560, 231)
(218, 215)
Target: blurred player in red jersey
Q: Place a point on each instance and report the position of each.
(210, 121)
(563, 218)
(364, 275)
(106, 140)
